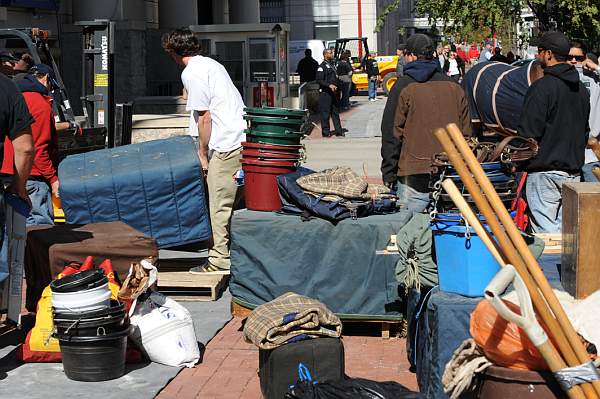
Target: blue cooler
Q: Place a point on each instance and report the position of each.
(465, 266)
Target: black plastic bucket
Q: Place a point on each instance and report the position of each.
(95, 358)
(79, 281)
(84, 324)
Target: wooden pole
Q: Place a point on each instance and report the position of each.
(565, 327)
(547, 350)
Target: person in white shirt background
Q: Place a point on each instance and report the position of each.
(216, 121)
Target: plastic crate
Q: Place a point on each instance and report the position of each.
(465, 266)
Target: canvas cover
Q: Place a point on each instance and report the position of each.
(155, 187)
(496, 92)
(272, 254)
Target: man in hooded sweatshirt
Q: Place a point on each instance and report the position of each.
(421, 101)
(555, 112)
(43, 180)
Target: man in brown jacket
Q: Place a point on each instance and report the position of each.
(421, 101)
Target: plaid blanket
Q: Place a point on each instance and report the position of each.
(290, 318)
(342, 182)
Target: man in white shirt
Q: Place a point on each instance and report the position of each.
(216, 120)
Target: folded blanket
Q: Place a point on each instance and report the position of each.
(290, 318)
(341, 183)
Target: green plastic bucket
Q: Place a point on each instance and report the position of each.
(276, 112)
(274, 124)
(289, 138)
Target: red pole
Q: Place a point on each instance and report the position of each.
(359, 15)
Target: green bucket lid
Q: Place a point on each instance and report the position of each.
(274, 120)
(274, 111)
(287, 133)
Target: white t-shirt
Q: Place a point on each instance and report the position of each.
(210, 88)
(453, 70)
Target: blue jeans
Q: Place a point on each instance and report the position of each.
(40, 195)
(411, 198)
(545, 201)
(372, 88)
(587, 174)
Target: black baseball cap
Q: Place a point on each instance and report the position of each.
(419, 44)
(44, 69)
(556, 42)
(7, 56)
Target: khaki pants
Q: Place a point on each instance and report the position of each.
(223, 195)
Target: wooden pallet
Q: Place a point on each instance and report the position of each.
(388, 327)
(553, 242)
(185, 286)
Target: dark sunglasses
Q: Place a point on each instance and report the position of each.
(578, 58)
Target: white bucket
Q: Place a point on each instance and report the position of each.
(82, 301)
(164, 330)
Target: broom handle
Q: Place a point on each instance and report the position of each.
(504, 242)
(472, 219)
(533, 267)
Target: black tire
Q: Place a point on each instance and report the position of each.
(388, 82)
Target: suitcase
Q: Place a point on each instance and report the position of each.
(278, 368)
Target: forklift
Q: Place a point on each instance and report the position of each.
(104, 124)
(359, 49)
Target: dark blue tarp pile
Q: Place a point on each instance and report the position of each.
(496, 92)
(272, 254)
(155, 187)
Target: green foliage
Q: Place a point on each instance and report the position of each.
(475, 20)
(394, 4)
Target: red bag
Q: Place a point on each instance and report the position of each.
(520, 205)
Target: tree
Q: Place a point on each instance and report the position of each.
(477, 19)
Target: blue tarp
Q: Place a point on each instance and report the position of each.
(155, 187)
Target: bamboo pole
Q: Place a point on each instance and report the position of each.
(547, 350)
(565, 326)
(509, 250)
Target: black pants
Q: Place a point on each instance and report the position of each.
(329, 105)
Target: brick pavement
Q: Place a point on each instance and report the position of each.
(229, 368)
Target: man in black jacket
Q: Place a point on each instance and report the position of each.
(307, 67)
(555, 113)
(329, 98)
(372, 69)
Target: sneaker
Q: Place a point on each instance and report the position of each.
(371, 99)
(325, 134)
(207, 268)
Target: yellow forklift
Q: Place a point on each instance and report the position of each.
(359, 49)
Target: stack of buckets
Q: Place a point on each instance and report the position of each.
(92, 330)
(272, 148)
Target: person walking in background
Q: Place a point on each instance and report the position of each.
(473, 53)
(498, 56)
(555, 113)
(486, 52)
(577, 56)
(454, 66)
(329, 98)
(510, 57)
(372, 70)
(344, 70)
(217, 122)
(401, 60)
(307, 67)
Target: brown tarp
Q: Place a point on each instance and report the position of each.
(49, 248)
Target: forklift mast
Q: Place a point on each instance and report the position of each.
(354, 45)
(97, 75)
(36, 42)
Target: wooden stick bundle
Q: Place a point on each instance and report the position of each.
(514, 249)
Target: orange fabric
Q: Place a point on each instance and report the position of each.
(503, 342)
